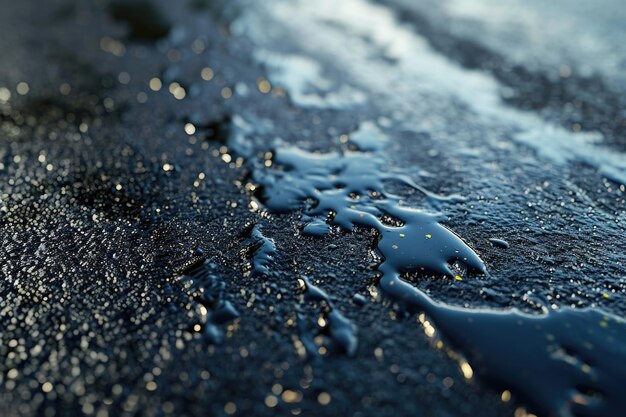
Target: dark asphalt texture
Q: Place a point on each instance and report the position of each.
(107, 203)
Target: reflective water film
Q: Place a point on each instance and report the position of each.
(353, 208)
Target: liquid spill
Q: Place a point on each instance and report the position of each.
(340, 329)
(566, 363)
(215, 310)
(261, 252)
(347, 188)
(207, 293)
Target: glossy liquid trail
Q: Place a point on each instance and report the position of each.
(568, 363)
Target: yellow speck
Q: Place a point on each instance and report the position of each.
(177, 91)
(230, 408)
(458, 278)
(264, 86)
(155, 84)
(580, 399)
(379, 353)
(190, 129)
(290, 396)
(506, 395)
(22, 88)
(271, 401)
(207, 74)
(227, 93)
(429, 330)
(605, 295)
(428, 236)
(323, 398)
(151, 386)
(402, 235)
(466, 369)
(5, 94)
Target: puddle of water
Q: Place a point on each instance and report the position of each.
(563, 362)
(348, 190)
(567, 363)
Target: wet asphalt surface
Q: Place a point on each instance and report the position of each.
(120, 177)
